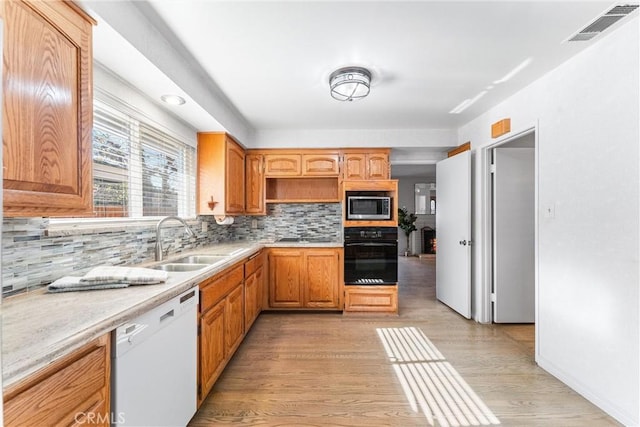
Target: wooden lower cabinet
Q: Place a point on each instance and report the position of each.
(367, 299)
(285, 278)
(321, 278)
(305, 278)
(211, 348)
(229, 304)
(221, 326)
(254, 278)
(74, 390)
(233, 320)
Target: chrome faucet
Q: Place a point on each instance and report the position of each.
(159, 251)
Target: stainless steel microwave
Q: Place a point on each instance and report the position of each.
(368, 208)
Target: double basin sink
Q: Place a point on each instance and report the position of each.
(190, 263)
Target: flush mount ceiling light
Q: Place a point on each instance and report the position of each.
(173, 99)
(350, 83)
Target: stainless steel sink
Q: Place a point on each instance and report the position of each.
(180, 267)
(200, 259)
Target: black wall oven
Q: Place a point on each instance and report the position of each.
(370, 256)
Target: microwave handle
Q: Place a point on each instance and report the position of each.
(370, 244)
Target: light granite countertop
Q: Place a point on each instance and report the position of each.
(38, 327)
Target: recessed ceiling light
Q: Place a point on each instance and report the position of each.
(173, 99)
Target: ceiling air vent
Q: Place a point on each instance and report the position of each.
(603, 22)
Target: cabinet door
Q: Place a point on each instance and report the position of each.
(320, 165)
(250, 300)
(282, 165)
(212, 354)
(254, 185)
(261, 281)
(322, 278)
(285, 281)
(234, 195)
(47, 109)
(377, 166)
(234, 320)
(355, 166)
(76, 384)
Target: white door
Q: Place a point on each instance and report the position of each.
(453, 231)
(513, 235)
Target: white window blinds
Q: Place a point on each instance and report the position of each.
(139, 170)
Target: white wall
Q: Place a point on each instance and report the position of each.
(406, 197)
(106, 85)
(587, 113)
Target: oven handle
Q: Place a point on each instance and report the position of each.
(371, 244)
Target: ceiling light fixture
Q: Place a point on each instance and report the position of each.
(350, 83)
(173, 99)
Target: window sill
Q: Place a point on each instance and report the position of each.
(82, 226)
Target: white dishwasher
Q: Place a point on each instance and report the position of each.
(154, 365)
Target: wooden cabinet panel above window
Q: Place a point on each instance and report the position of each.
(47, 109)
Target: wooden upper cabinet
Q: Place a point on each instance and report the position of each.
(366, 166)
(377, 166)
(282, 165)
(355, 166)
(254, 185)
(234, 194)
(221, 173)
(47, 109)
(320, 164)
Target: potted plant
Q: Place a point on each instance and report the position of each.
(406, 221)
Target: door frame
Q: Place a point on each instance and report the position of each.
(485, 209)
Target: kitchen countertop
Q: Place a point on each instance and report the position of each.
(38, 327)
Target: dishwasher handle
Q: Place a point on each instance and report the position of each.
(130, 331)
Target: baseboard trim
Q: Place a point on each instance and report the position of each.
(579, 387)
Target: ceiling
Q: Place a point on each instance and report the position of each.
(254, 67)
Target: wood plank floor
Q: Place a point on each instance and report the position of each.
(326, 369)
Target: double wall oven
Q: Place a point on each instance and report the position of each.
(370, 256)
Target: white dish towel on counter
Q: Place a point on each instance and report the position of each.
(109, 277)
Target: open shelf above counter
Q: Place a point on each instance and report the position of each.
(303, 190)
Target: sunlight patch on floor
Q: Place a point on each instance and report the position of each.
(430, 383)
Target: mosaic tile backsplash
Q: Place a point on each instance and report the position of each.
(34, 255)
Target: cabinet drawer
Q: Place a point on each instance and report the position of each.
(371, 299)
(216, 288)
(254, 262)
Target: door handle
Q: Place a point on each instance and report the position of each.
(463, 242)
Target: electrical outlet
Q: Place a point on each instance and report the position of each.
(254, 224)
(204, 227)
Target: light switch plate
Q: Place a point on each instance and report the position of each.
(204, 227)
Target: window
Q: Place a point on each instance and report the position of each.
(139, 170)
